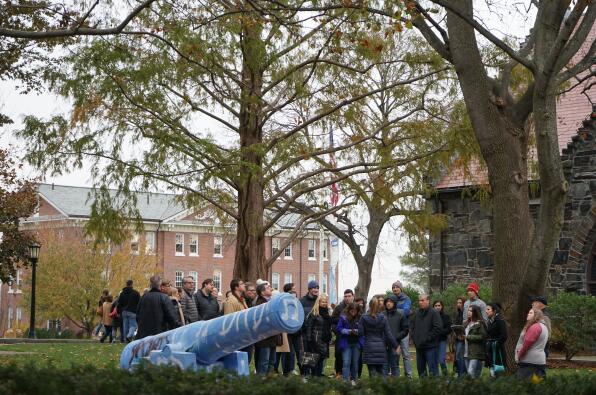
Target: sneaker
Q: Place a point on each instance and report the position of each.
(353, 382)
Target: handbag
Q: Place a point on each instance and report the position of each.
(309, 359)
(497, 368)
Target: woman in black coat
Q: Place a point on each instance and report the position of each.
(497, 335)
(317, 331)
(377, 338)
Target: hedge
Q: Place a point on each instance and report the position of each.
(152, 380)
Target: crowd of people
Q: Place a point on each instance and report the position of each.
(377, 334)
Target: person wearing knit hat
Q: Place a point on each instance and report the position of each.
(474, 300)
(403, 303)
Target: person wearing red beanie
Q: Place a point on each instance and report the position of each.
(474, 300)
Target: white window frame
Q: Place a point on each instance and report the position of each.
(195, 276)
(325, 250)
(150, 241)
(285, 254)
(19, 316)
(275, 279)
(324, 285)
(218, 242)
(9, 323)
(134, 244)
(312, 250)
(217, 278)
(287, 278)
(193, 238)
(275, 244)
(312, 277)
(177, 243)
(178, 276)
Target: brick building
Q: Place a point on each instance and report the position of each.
(184, 242)
(463, 251)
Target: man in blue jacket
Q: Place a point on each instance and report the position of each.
(403, 305)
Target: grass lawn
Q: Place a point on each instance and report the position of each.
(108, 355)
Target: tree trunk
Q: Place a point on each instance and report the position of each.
(503, 145)
(249, 263)
(365, 263)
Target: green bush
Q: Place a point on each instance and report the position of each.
(43, 333)
(453, 291)
(413, 293)
(573, 320)
(90, 380)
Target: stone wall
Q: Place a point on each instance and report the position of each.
(463, 252)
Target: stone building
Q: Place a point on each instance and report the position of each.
(463, 252)
(184, 242)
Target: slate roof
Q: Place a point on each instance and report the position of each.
(76, 201)
(572, 109)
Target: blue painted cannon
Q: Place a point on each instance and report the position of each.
(215, 343)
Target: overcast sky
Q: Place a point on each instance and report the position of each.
(502, 18)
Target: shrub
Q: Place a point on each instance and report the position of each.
(43, 333)
(153, 380)
(573, 319)
(453, 291)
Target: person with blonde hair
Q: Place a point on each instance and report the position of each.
(529, 351)
(174, 296)
(377, 338)
(317, 331)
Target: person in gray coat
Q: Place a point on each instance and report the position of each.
(377, 337)
(189, 306)
(207, 304)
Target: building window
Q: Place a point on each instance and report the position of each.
(19, 316)
(324, 284)
(287, 278)
(18, 282)
(288, 251)
(312, 277)
(311, 250)
(324, 248)
(134, 244)
(9, 325)
(150, 243)
(217, 246)
(275, 281)
(274, 246)
(195, 277)
(179, 244)
(217, 279)
(179, 276)
(193, 245)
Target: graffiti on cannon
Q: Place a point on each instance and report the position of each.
(215, 343)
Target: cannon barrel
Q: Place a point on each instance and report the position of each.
(214, 339)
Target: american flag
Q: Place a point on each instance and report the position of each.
(334, 190)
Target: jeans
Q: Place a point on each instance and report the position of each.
(339, 365)
(392, 365)
(424, 357)
(474, 367)
(107, 333)
(460, 364)
(405, 352)
(289, 360)
(98, 328)
(350, 357)
(129, 323)
(441, 356)
(375, 370)
(266, 360)
(527, 370)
